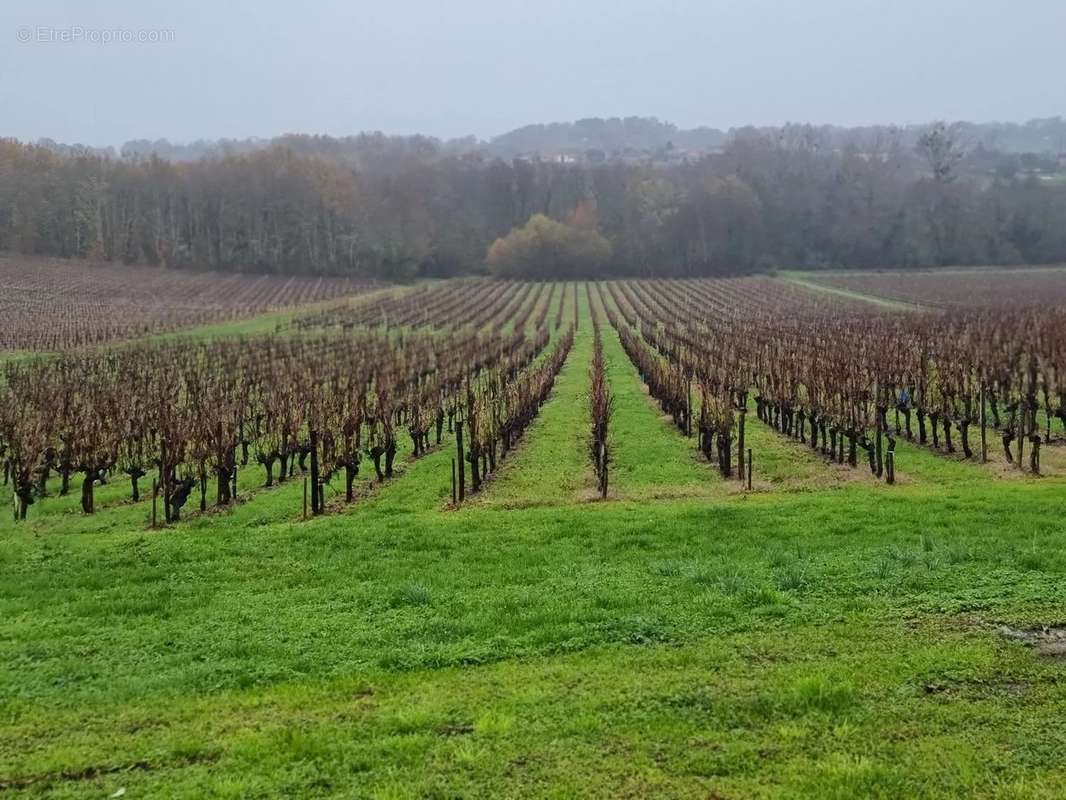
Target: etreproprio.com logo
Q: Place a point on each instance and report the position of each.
(80, 34)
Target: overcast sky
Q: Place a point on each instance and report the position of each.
(456, 67)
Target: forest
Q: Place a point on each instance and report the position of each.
(398, 208)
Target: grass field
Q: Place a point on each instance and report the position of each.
(822, 636)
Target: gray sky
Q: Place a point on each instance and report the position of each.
(454, 67)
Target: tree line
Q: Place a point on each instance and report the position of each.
(788, 198)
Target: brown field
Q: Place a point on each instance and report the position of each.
(958, 288)
(53, 304)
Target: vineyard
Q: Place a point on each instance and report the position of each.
(336, 389)
(960, 289)
(52, 304)
(829, 376)
(371, 537)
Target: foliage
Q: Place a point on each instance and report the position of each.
(796, 197)
(545, 249)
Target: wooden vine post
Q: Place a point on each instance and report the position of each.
(460, 459)
(740, 439)
(984, 423)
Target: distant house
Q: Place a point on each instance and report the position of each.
(1062, 160)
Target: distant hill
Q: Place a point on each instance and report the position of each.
(610, 137)
(592, 140)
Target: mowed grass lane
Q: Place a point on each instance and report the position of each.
(550, 465)
(651, 458)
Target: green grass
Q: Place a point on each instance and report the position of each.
(551, 465)
(651, 459)
(819, 637)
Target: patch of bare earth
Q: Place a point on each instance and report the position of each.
(1048, 641)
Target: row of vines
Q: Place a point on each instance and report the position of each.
(53, 305)
(842, 376)
(323, 400)
(601, 407)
